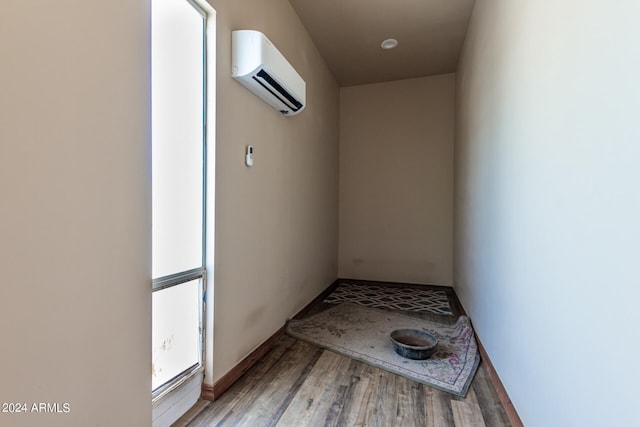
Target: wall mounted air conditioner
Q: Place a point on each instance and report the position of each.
(259, 66)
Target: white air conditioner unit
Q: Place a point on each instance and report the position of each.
(259, 66)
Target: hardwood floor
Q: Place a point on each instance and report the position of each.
(298, 384)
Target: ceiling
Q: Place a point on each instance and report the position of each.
(348, 34)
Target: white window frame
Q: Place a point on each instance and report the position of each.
(199, 273)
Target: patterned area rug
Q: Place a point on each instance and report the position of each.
(362, 333)
(409, 299)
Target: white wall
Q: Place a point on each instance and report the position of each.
(396, 181)
(75, 211)
(548, 204)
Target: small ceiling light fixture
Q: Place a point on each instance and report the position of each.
(389, 44)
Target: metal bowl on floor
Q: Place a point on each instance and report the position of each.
(413, 343)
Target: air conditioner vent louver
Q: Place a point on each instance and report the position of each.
(280, 91)
(259, 66)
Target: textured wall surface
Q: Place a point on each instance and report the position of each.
(547, 204)
(277, 222)
(396, 180)
(75, 212)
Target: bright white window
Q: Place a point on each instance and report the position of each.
(178, 178)
(176, 331)
(177, 129)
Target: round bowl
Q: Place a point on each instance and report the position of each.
(413, 343)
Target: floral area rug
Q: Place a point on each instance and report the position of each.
(407, 299)
(362, 333)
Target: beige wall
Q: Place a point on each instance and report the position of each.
(396, 181)
(548, 206)
(276, 223)
(75, 229)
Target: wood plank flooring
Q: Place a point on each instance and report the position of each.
(298, 384)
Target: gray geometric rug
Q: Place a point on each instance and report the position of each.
(362, 333)
(409, 299)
